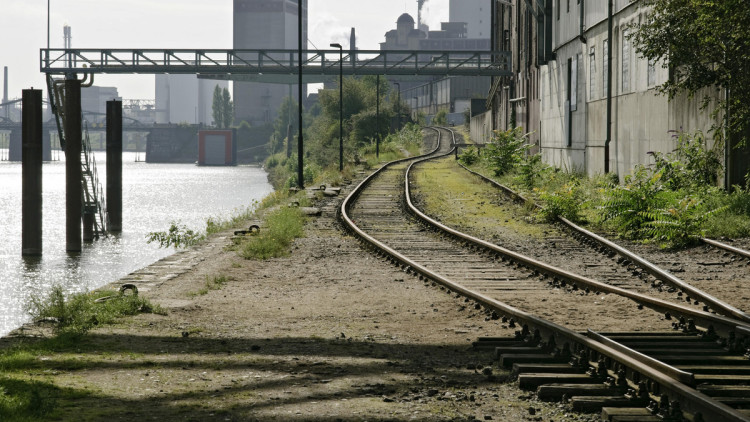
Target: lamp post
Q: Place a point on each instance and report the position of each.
(341, 104)
(300, 148)
(377, 117)
(398, 104)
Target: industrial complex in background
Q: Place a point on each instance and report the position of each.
(167, 126)
(559, 88)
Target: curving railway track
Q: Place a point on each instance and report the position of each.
(559, 350)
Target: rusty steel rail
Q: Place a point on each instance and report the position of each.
(671, 380)
(728, 248)
(710, 300)
(724, 325)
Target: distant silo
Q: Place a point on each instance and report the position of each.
(264, 24)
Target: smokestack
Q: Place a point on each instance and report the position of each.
(68, 42)
(353, 45)
(5, 85)
(6, 111)
(67, 37)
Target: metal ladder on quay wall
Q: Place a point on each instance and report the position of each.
(92, 199)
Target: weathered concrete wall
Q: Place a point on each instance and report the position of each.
(481, 127)
(642, 120)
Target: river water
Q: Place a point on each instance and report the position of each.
(154, 195)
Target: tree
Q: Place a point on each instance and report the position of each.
(217, 109)
(705, 43)
(227, 107)
(222, 108)
(287, 116)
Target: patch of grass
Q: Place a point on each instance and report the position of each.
(450, 194)
(80, 312)
(212, 283)
(22, 400)
(282, 227)
(237, 219)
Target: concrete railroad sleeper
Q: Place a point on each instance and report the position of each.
(623, 364)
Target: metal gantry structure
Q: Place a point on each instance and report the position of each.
(275, 62)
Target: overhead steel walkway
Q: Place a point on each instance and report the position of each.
(275, 65)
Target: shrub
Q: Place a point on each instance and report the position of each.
(679, 225)
(505, 150)
(691, 165)
(441, 117)
(469, 156)
(628, 206)
(566, 202)
(178, 236)
(529, 169)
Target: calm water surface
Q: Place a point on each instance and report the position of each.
(153, 196)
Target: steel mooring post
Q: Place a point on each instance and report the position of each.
(114, 165)
(31, 151)
(88, 225)
(73, 187)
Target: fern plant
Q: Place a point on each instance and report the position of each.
(529, 170)
(565, 202)
(680, 225)
(628, 205)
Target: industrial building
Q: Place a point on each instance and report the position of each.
(185, 99)
(269, 25)
(429, 95)
(475, 14)
(560, 52)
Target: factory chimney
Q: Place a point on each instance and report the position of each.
(5, 85)
(5, 91)
(67, 37)
(353, 46)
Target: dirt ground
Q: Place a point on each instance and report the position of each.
(329, 333)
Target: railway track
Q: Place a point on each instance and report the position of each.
(505, 284)
(619, 265)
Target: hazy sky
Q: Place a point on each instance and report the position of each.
(172, 24)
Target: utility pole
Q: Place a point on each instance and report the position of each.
(377, 118)
(300, 149)
(609, 87)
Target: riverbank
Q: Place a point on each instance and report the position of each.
(154, 196)
(327, 333)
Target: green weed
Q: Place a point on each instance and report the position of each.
(282, 227)
(212, 283)
(80, 312)
(178, 235)
(565, 202)
(680, 224)
(469, 156)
